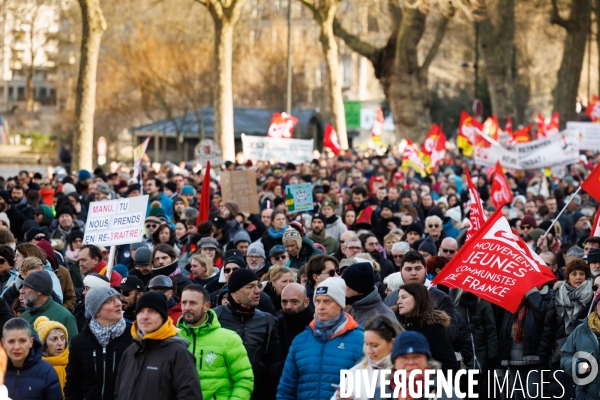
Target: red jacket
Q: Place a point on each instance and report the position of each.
(175, 312)
(115, 277)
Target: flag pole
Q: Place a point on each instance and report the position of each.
(561, 211)
(111, 261)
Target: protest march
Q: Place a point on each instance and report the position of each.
(463, 267)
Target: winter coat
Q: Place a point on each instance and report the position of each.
(159, 366)
(335, 227)
(16, 219)
(312, 365)
(269, 241)
(368, 307)
(180, 281)
(165, 201)
(79, 314)
(75, 272)
(66, 285)
(257, 233)
(35, 380)
(331, 245)
(174, 309)
(260, 337)
(5, 313)
(221, 359)
(307, 251)
(92, 369)
(582, 339)
(290, 326)
(432, 324)
(54, 312)
(450, 229)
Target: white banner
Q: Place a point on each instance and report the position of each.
(286, 150)
(554, 150)
(588, 132)
(114, 222)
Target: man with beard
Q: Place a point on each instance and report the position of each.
(255, 258)
(131, 289)
(371, 246)
(581, 229)
(333, 223)
(16, 217)
(151, 224)
(320, 235)
(362, 208)
(296, 315)
(229, 373)
(19, 201)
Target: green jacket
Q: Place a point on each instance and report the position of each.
(221, 359)
(54, 312)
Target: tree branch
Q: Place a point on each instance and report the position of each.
(439, 36)
(363, 48)
(555, 17)
(313, 9)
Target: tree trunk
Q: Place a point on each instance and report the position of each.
(567, 85)
(224, 128)
(93, 26)
(29, 90)
(497, 45)
(330, 48)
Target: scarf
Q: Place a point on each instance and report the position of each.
(570, 300)
(326, 329)
(276, 233)
(384, 363)
(104, 334)
(71, 255)
(519, 324)
(331, 220)
(318, 238)
(594, 323)
(59, 363)
(176, 272)
(239, 309)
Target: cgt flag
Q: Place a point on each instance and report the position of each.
(282, 126)
(476, 215)
(501, 193)
(593, 109)
(330, 139)
(496, 265)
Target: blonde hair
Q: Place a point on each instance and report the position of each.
(368, 257)
(205, 260)
(392, 236)
(31, 263)
(277, 272)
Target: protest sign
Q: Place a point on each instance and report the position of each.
(588, 133)
(208, 151)
(113, 222)
(295, 151)
(299, 197)
(496, 265)
(240, 186)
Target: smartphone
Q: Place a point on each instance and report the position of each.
(335, 386)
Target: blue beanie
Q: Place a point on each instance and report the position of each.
(410, 342)
(83, 175)
(122, 270)
(187, 189)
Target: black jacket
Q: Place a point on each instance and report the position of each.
(265, 304)
(17, 219)
(261, 340)
(87, 363)
(290, 326)
(79, 314)
(180, 281)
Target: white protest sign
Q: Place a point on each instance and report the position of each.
(295, 151)
(588, 132)
(114, 222)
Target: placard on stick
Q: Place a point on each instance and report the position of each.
(240, 186)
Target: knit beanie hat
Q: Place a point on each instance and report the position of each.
(335, 288)
(93, 281)
(360, 277)
(593, 256)
(414, 227)
(43, 326)
(410, 342)
(8, 254)
(233, 208)
(83, 174)
(97, 296)
(103, 187)
(292, 234)
(4, 218)
(240, 278)
(454, 214)
(530, 220)
(40, 281)
(428, 246)
(156, 301)
(68, 188)
(142, 256)
(64, 210)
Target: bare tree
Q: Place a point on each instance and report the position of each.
(93, 26)
(577, 27)
(324, 13)
(225, 14)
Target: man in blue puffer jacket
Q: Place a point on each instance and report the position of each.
(332, 342)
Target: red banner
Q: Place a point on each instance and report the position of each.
(330, 139)
(491, 128)
(501, 193)
(593, 109)
(282, 126)
(476, 215)
(496, 265)
(410, 158)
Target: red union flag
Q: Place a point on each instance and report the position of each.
(592, 183)
(496, 265)
(330, 139)
(593, 109)
(501, 193)
(282, 126)
(476, 215)
(377, 125)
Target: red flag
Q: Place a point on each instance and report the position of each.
(429, 142)
(501, 193)
(522, 135)
(544, 130)
(476, 215)
(204, 205)
(592, 183)
(596, 226)
(541, 125)
(439, 152)
(330, 139)
(508, 126)
(593, 109)
(466, 133)
(410, 158)
(378, 125)
(282, 126)
(496, 265)
(492, 128)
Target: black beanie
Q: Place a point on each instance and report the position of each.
(360, 277)
(32, 232)
(8, 254)
(64, 210)
(233, 253)
(428, 246)
(240, 278)
(239, 261)
(156, 301)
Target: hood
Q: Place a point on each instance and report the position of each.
(431, 317)
(34, 356)
(210, 323)
(48, 214)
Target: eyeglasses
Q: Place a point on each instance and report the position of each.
(398, 255)
(229, 270)
(38, 238)
(253, 257)
(354, 248)
(331, 273)
(151, 226)
(279, 258)
(433, 226)
(2, 261)
(449, 251)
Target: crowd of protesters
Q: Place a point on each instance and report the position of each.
(275, 305)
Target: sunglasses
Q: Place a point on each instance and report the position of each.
(595, 288)
(354, 248)
(125, 293)
(526, 227)
(449, 251)
(229, 270)
(398, 255)
(279, 258)
(331, 273)
(381, 323)
(433, 226)
(38, 238)
(2, 260)
(151, 226)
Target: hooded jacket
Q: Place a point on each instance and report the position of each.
(331, 245)
(307, 251)
(179, 280)
(371, 305)
(92, 369)
(335, 227)
(221, 359)
(158, 366)
(35, 380)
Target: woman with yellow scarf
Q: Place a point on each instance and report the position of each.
(53, 336)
